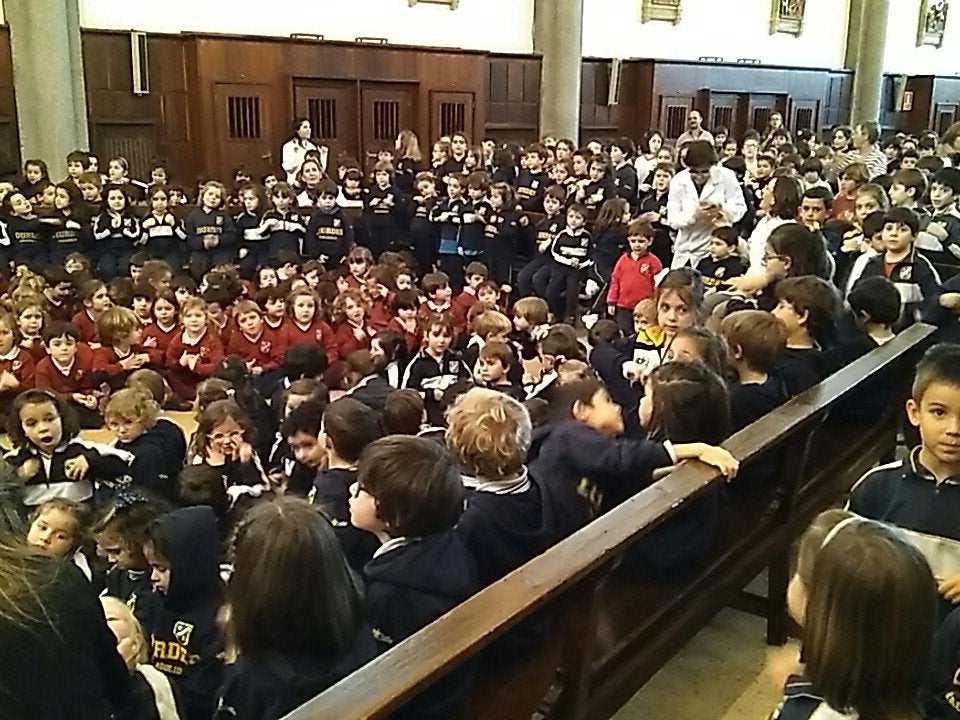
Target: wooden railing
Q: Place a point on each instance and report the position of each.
(614, 632)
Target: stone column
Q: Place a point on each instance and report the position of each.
(558, 37)
(866, 43)
(48, 79)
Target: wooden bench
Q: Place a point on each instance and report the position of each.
(613, 633)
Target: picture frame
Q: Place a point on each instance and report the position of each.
(452, 4)
(786, 16)
(663, 10)
(933, 20)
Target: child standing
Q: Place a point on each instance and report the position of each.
(610, 230)
(211, 236)
(381, 211)
(435, 368)
(329, 234)
(634, 277)
(502, 233)
(570, 254)
(424, 235)
(448, 214)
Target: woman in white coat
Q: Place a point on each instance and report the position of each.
(296, 148)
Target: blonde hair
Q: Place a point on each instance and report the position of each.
(135, 403)
(149, 380)
(115, 324)
(116, 606)
(490, 433)
(491, 322)
(192, 303)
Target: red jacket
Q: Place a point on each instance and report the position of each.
(316, 333)
(633, 280)
(86, 327)
(380, 314)
(461, 304)
(76, 380)
(345, 342)
(19, 363)
(161, 341)
(412, 339)
(265, 351)
(209, 348)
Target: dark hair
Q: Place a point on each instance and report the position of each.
(415, 482)
(351, 426)
(802, 247)
(871, 130)
(903, 216)
(814, 296)
(603, 331)
(949, 177)
(700, 153)
(712, 351)
(787, 193)
(402, 412)
(877, 298)
(911, 178)
(565, 397)
(56, 329)
(308, 418)
(234, 370)
(819, 192)
(690, 403)
(292, 590)
(203, 485)
(727, 234)
(68, 418)
(940, 364)
(304, 360)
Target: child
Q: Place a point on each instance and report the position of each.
(634, 276)
(435, 368)
(390, 350)
(17, 369)
(25, 231)
(942, 232)
(348, 427)
(152, 383)
(755, 340)
(436, 288)
(876, 305)
(298, 454)
(120, 352)
(114, 233)
(653, 210)
(30, 315)
(351, 329)
(163, 235)
(157, 335)
(447, 215)
(610, 230)
(258, 346)
(409, 495)
(380, 205)
(306, 322)
(724, 261)
(223, 441)
(907, 189)
(57, 531)
(96, 301)
(211, 236)
(67, 227)
(917, 494)
(194, 351)
(143, 297)
(120, 534)
(863, 575)
(502, 234)
(424, 233)
(68, 371)
(488, 326)
(533, 278)
(475, 273)
(570, 254)
(50, 458)
(179, 616)
(530, 315)
(911, 272)
(329, 234)
(808, 307)
(532, 181)
(851, 179)
(495, 369)
(296, 613)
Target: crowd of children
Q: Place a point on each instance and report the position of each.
(408, 387)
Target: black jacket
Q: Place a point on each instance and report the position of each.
(329, 235)
(332, 495)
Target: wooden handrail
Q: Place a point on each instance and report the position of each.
(389, 680)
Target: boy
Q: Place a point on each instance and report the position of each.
(488, 326)
(258, 346)
(348, 427)
(180, 615)
(532, 181)
(408, 494)
(907, 188)
(143, 297)
(911, 272)
(59, 293)
(447, 215)
(920, 494)
(755, 341)
(436, 288)
(120, 352)
(329, 234)
(496, 363)
(570, 260)
(297, 453)
(808, 308)
(942, 232)
(77, 161)
(68, 370)
(533, 278)
(96, 301)
(811, 174)
(131, 415)
(273, 302)
(634, 275)
(435, 367)
(724, 262)
(653, 210)
(474, 274)
(174, 442)
(876, 306)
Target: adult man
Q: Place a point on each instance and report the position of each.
(695, 130)
(864, 139)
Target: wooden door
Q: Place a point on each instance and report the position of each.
(672, 120)
(451, 112)
(804, 115)
(724, 110)
(243, 134)
(760, 108)
(137, 142)
(385, 110)
(332, 109)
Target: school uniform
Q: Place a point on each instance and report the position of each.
(662, 245)
(107, 367)
(28, 241)
(65, 234)
(160, 339)
(331, 493)
(316, 333)
(410, 338)
(801, 368)
(535, 275)
(570, 255)
(19, 363)
(597, 192)
(716, 273)
(943, 699)
(801, 701)
(163, 237)
(86, 327)
(344, 341)
(180, 625)
(633, 280)
(328, 236)
(950, 219)
(109, 467)
(410, 583)
(627, 184)
(67, 380)
(471, 242)
(424, 234)
(448, 257)
(282, 233)
(608, 248)
(460, 305)
(174, 443)
(381, 214)
(157, 460)
(183, 381)
(915, 279)
(530, 189)
(218, 224)
(265, 350)
(126, 585)
(946, 320)
(503, 237)
(113, 243)
(58, 309)
(431, 377)
(749, 403)
(372, 391)
(251, 241)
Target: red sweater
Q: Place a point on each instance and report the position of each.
(19, 363)
(461, 306)
(316, 333)
(345, 342)
(380, 314)
(86, 327)
(280, 331)
(265, 351)
(412, 339)
(633, 280)
(107, 359)
(209, 348)
(161, 341)
(37, 351)
(77, 379)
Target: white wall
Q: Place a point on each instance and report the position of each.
(902, 54)
(733, 29)
(495, 25)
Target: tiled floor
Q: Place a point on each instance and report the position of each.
(722, 674)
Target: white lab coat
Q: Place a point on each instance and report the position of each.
(294, 151)
(693, 238)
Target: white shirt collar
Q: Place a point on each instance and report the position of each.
(394, 544)
(517, 486)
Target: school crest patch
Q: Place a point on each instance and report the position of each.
(720, 271)
(336, 222)
(453, 366)
(905, 273)
(219, 220)
(265, 347)
(182, 632)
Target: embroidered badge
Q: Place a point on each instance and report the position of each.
(219, 220)
(182, 631)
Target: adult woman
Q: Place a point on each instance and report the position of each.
(779, 202)
(409, 161)
(295, 149)
(308, 180)
(842, 138)
(59, 657)
(647, 158)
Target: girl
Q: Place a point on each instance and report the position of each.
(379, 289)
(424, 234)
(647, 159)
(118, 176)
(359, 262)
(306, 322)
(390, 353)
(698, 344)
(502, 234)
(225, 439)
(779, 202)
(120, 352)
(380, 209)
(864, 573)
(249, 232)
(194, 351)
(677, 309)
(409, 163)
(283, 226)
(234, 371)
(57, 530)
(36, 178)
(610, 236)
(435, 368)
(599, 186)
(79, 267)
(211, 236)
(67, 229)
(16, 365)
(404, 306)
(296, 634)
(115, 230)
(30, 315)
(25, 231)
(351, 330)
(50, 457)
(157, 336)
(530, 316)
(163, 234)
(120, 534)
(265, 277)
(844, 204)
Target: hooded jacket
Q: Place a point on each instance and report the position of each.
(184, 640)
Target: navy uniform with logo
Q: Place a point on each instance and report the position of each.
(915, 279)
(530, 189)
(211, 240)
(329, 236)
(716, 273)
(431, 377)
(180, 625)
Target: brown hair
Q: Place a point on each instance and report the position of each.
(115, 324)
(133, 404)
(498, 351)
(532, 309)
(402, 413)
(490, 433)
(690, 403)
(491, 322)
(814, 296)
(339, 310)
(759, 335)
(215, 414)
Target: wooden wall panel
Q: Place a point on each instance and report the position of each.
(513, 98)
(10, 161)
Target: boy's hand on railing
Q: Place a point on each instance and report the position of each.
(710, 455)
(950, 588)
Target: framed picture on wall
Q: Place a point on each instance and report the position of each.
(933, 19)
(786, 16)
(668, 10)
